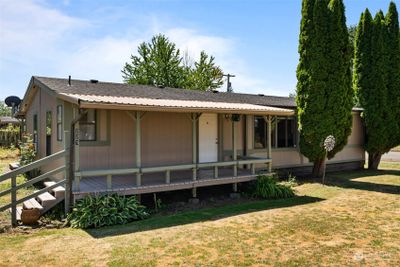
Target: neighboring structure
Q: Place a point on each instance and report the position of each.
(5, 121)
(140, 139)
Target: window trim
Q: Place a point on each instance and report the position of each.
(95, 123)
(265, 133)
(35, 134)
(274, 133)
(59, 114)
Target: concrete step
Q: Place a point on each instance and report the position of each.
(59, 191)
(32, 204)
(47, 200)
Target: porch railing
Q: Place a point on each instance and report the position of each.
(12, 175)
(109, 173)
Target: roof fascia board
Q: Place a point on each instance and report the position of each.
(181, 110)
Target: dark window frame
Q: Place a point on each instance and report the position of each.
(262, 136)
(94, 123)
(35, 131)
(59, 129)
(275, 133)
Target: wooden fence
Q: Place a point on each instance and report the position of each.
(9, 136)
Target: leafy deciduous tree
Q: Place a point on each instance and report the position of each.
(160, 63)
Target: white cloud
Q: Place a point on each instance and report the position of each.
(30, 30)
(45, 41)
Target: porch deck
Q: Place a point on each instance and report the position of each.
(156, 182)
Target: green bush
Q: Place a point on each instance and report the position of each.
(268, 187)
(28, 155)
(103, 210)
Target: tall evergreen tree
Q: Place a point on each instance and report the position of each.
(376, 81)
(324, 95)
(392, 43)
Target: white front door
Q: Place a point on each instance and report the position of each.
(208, 137)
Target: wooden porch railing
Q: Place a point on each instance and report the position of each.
(169, 168)
(12, 175)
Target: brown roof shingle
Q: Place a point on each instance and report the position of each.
(83, 87)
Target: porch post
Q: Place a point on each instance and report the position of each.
(76, 155)
(234, 148)
(68, 181)
(138, 148)
(269, 143)
(194, 118)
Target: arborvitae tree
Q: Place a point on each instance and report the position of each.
(376, 81)
(392, 44)
(324, 95)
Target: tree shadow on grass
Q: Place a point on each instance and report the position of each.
(347, 179)
(207, 214)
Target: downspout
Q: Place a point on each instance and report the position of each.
(72, 153)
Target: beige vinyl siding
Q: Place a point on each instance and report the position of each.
(290, 157)
(42, 102)
(166, 139)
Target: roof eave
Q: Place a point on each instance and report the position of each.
(95, 105)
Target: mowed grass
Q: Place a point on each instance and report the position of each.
(354, 220)
(397, 149)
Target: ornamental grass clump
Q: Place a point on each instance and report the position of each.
(268, 187)
(104, 210)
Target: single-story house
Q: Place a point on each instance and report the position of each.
(136, 139)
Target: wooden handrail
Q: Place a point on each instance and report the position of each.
(89, 173)
(33, 165)
(35, 194)
(34, 180)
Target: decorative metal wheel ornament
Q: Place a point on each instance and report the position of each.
(329, 143)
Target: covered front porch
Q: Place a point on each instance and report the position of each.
(208, 163)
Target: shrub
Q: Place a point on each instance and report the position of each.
(28, 154)
(268, 187)
(9, 136)
(103, 210)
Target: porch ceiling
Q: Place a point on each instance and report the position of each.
(151, 104)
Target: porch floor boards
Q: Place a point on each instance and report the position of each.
(156, 182)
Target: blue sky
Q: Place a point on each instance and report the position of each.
(92, 39)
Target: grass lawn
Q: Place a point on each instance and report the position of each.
(397, 149)
(6, 157)
(354, 220)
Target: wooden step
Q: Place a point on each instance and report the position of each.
(32, 204)
(47, 200)
(59, 191)
(19, 211)
(14, 165)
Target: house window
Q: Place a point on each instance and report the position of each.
(87, 126)
(35, 130)
(49, 131)
(283, 132)
(260, 138)
(286, 132)
(59, 122)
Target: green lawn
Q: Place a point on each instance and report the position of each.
(353, 221)
(397, 148)
(6, 157)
